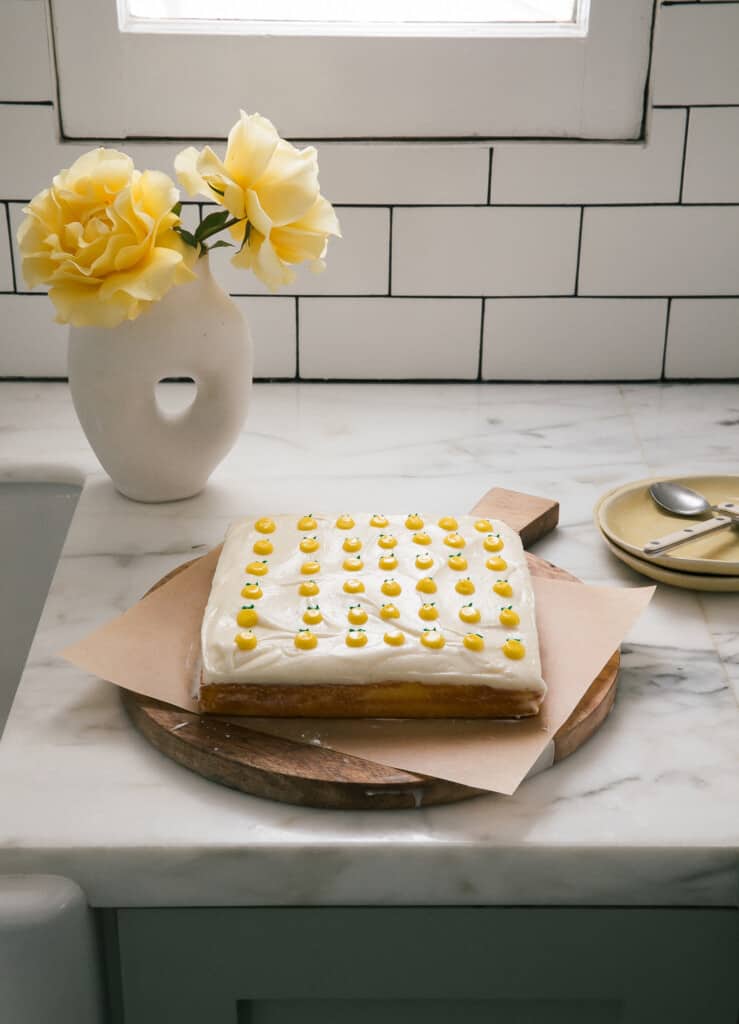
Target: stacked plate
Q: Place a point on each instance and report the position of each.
(628, 517)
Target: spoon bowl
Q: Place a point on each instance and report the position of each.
(683, 501)
(679, 500)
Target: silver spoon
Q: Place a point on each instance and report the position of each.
(682, 501)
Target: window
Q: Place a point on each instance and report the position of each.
(580, 73)
(353, 17)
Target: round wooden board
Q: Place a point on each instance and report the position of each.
(297, 773)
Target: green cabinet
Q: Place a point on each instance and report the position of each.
(415, 965)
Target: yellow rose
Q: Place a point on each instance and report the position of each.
(102, 239)
(271, 189)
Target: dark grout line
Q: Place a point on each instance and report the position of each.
(482, 340)
(297, 337)
(579, 251)
(390, 255)
(668, 381)
(10, 247)
(685, 153)
(698, 106)
(490, 176)
(648, 74)
(667, 331)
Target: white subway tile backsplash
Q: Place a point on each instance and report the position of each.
(386, 173)
(32, 344)
(703, 338)
(25, 70)
(603, 219)
(272, 327)
(356, 264)
(676, 250)
(6, 270)
(484, 251)
(389, 339)
(593, 172)
(573, 339)
(30, 136)
(712, 158)
(695, 54)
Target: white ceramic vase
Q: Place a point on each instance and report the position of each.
(195, 331)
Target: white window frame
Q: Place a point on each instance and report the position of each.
(564, 84)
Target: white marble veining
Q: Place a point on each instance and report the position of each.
(646, 813)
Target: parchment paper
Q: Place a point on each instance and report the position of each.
(154, 649)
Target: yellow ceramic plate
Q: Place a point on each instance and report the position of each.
(686, 580)
(629, 518)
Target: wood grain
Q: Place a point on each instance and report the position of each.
(298, 773)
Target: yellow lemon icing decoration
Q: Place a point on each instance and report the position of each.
(344, 522)
(389, 611)
(353, 564)
(305, 640)
(432, 638)
(448, 523)
(309, 588)
(426, 585)
(312, 615)
(503, 588)
(356, 615)
(483, 526)
(455, 540)
(310, 568)
(428, 612)
(513, 648)
(421, 538)
(496, 563)
(265, 525)
(263, 547)
(457, 562)
(468, 613)
(309, 544)
(414, 522)
(353, 587)
(465, 586)
(306, 523)
(352, 544)
(378, 520)
(356, 638)
(247, 616)
(388, 562)
(508, 617)
(424, 560)
(474, 641)
(395, 638)
(258, 568)
(391, 587)
(386, 540)
(245, 641)
(493, 542)
(252, 590)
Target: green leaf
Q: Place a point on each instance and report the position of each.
(247, 232)
(187, 236)
(212, 221)
(221, 243)
(177, 208)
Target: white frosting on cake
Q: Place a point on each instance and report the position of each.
(280, 609)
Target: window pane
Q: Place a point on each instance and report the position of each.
(357, 12)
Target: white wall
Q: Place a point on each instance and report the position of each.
(503, 261)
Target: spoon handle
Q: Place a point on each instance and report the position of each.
(671, 540)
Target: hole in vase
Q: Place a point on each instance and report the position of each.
(175, 395)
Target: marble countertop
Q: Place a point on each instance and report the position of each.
(644, 814)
